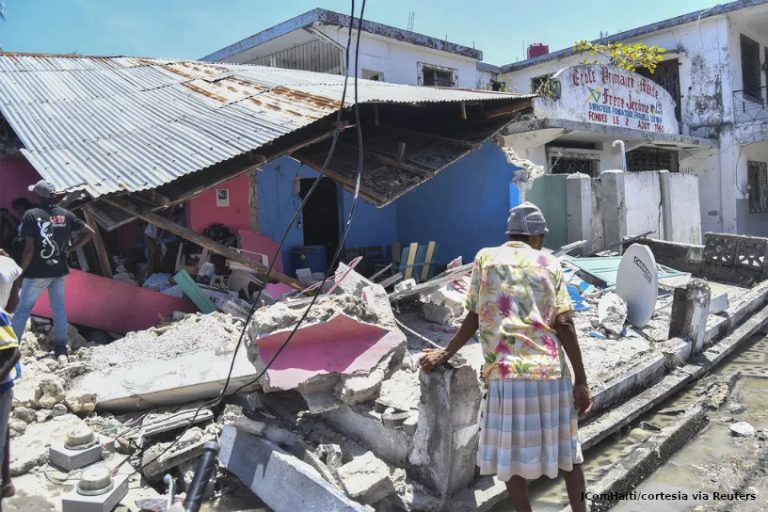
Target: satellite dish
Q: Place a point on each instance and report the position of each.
(637, 283)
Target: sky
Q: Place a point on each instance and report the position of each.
(190, 29)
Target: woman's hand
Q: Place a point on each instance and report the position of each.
(433, 358)
(582, 399)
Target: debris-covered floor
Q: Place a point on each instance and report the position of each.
(343, 416)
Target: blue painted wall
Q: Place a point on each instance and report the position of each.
(278, 201)
(464, 208)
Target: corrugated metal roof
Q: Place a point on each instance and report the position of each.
(109, 124)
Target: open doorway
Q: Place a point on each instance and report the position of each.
(321, 215)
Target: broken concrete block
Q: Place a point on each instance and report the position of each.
(357, 389)
(156, 462)
(690, 308)
(49, 392)
(331, 455)
(405, 285)
(305, 275)
(318, 393)
(341, 345)
(349, 281)
(376, 297)
(742, 429)
(446, 439)
(366, 479)
(391, 444)
(612, 313)
(59, 410)
(283, 482)
(80, 403)
(435, 313)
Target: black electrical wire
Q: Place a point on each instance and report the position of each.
(327, 161)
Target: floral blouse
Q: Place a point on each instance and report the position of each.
(517, 292)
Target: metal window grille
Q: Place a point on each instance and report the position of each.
(315, 55)
(653, 159)
(439, 76)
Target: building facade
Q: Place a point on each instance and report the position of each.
(715, 71)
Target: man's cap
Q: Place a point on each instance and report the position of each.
(526, 219)
(42, 189)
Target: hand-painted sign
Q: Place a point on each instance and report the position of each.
(610, 96)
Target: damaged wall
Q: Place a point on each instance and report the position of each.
(16, 174)
(464, 208)
(204, 209)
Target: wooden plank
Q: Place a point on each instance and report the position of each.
(410, 259)
(194, 293)
(202, 241)
(98, 242)
(386, 283)
(428, 261)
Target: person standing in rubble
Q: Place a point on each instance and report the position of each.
(9, 357)
(47, 230)
(518, 302)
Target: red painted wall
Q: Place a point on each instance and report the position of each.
(202, 210)
(16, 174)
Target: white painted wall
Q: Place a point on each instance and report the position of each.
(703, 52)
(706, 166)
(684, 189)
(643, 200)
(399, 61)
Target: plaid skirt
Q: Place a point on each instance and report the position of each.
(528, 429)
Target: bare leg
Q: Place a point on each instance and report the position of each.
(574, 483)
(518, 494)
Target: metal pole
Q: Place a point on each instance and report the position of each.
(623, 153)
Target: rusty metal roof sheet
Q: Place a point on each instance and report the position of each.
(109, 124)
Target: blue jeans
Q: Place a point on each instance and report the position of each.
(31, 289)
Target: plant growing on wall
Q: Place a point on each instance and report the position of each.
(626, 56)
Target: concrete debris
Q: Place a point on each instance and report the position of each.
(366, 479)
(172, 364)
(612, 313)
(282, 481)
(448, 411)
(158, 459)
(405, 285)
(742, 429)
(331, 455)
(49, 392)
(81, 404)
(527, 171)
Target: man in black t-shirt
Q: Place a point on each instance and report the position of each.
(47, 231)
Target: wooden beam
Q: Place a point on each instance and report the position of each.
(401, 151)
(202, 241)
(431, 136)
(98, 242)
(463, 110)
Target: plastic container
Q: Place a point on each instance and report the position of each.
(312, 257)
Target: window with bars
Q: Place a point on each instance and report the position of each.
(653, 159)
(757, 176)
(436, 76)
(750, 69)
(572, 161)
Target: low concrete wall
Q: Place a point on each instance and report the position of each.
(644, 205)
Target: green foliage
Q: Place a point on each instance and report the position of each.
(626, 56)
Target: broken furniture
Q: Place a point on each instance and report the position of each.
(193, 291)
(417, 261)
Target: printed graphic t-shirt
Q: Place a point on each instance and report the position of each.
(52, 229)
(517, 292)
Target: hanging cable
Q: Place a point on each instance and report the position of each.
(215, 402)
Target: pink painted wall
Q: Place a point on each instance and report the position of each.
(101, 303)
(202, 210)
(16, 174)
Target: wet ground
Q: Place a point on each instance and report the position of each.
(715, 461)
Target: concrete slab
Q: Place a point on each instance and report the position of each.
(283, 482)
(366, 479)
(342, 345)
